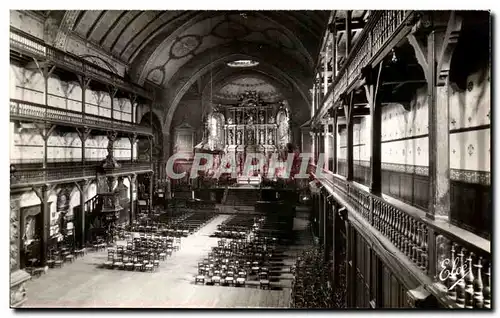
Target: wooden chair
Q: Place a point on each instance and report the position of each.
(199, 279)
(149, 267)
(240, 281)
(216, 279)
(69, 258)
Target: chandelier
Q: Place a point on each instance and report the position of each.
(243, 63)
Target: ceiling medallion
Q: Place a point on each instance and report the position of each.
(243, 63)
(184, 46)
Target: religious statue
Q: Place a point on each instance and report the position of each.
(238, 138)
(261, 117)
(230, 120)
(231, 137)
(271, 119)
(250, 137)
(262, 137)
(250, 118)
(270, 139)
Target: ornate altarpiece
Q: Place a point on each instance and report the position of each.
(251, 126)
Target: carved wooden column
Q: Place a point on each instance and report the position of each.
(18, 277)
(437, 34)
(42, 193)
(326, 147)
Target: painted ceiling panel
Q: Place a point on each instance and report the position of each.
(163, 19)
(117, 29)
(133, 28)
(86, 22)
(104, 24)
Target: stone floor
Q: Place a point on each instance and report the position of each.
(83, 284)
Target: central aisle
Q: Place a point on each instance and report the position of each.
(82, 284)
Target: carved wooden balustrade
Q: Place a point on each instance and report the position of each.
(30, 176)
(36, 48)
(457, 262)
(38, 112)
(371, 45)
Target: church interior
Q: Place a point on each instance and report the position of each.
(133, 181)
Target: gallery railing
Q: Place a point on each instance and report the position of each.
(32, 46)
(29, 176)
(27, 110)
(381, 28)
(458, 262)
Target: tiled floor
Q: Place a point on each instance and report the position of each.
(82, 284)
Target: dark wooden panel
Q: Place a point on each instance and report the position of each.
(471, 207)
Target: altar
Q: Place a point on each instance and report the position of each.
(250, 127)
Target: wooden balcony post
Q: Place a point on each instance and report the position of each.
(334, 56)
(132, 98)
(334, 143)
(326, 209)
(372, 83)
(325, 67)
(83, 134)
(440, 43)
(326, 147)
(151, 192)
(45, 70)
(348, 105)
(43, 193)
(313, 99)
(313, 146)
(348, 18)
(82, 187)
(84, 84)
(133, 140)
(132, 179)
(45, 131)
(112, 93)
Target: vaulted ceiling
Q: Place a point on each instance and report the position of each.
(172, 49)
(157, 43)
